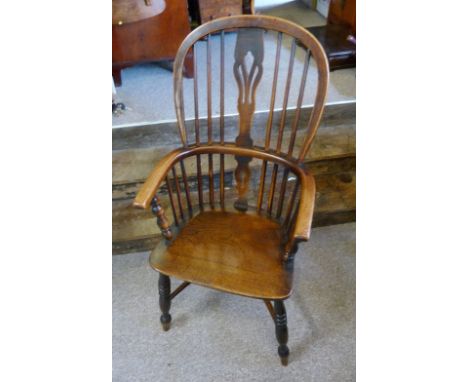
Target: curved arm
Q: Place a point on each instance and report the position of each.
(151, 185)
(305, 213)
(303, 221)
(156, 177)
(306, 204)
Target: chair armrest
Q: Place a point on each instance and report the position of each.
(306, 208)
(158, 174)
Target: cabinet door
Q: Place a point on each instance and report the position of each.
(213, 9)
(343, 12)
(151, 39)
(129, 11)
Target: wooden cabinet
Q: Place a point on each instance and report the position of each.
(213, 9)
(206, 10)
(343, 12)
(338, 37)
(148, 30)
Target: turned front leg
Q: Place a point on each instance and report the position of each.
(281, 325)
(165, 300)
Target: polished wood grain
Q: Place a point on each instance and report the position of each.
(129, 11)
(241, 248)
(343, 12)
(213, 9)
(242, 255)
(138, 36)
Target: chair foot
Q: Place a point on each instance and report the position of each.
(165, 301)
(281, 326)
(283, 352)
(166, 325)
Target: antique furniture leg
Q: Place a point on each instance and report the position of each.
(165, 301)
(164, 281)
(116, 74)
(281, 325)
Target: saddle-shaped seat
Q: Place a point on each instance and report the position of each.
(233, 252)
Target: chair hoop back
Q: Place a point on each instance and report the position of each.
(248, 81)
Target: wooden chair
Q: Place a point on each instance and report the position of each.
(240, 199)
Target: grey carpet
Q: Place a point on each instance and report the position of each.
(221, 337)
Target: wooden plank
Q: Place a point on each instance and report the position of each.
(166, 134)
(133, 165)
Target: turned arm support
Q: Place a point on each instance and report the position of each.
(147, 194)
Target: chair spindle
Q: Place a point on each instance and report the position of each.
(195, 97)
(221, 91)
(179, 198)
(284, 183)
(199, 183)
(300, 98)
(291, 203)
(271, 195)
(187, 189)
(286, 96)
(208, 89)
(221, 180)
(211, 180)
(171, 201)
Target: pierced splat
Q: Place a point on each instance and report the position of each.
(249, 43)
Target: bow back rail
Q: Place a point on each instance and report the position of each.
(249, 31)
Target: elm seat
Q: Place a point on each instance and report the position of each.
(243, 253)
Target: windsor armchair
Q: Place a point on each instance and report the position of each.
(240, 198)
